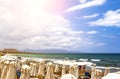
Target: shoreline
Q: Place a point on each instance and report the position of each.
(33, 56)
(82, 66)
(102, 67)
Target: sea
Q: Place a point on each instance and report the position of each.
(100, 59)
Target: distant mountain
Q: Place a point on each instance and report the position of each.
(48, 51)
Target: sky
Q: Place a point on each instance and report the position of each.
(77, 25)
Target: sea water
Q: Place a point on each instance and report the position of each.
(111, 59)
(100, 59)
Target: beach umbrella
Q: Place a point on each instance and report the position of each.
(5, 70)
(107, 70)
(11, 74)
(33, 71)
(23, 62)
(56, 68)
(98, 74)
(49, 74)
(76, 68)
(63, 70)
(25, 72)
(93, 73)
(71, 70)
(18, 63)
(1, 66)
(8, 57)
(68, 76)
(41, 70)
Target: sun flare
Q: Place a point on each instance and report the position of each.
(37, 3)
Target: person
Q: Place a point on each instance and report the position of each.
(19, 58)
(87, 74)
(18, 72)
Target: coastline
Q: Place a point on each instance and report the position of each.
(66, 56)
(82, 65)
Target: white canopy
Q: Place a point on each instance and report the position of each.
(112, 76)
(68, 76)
(25, 67)
(8, 57)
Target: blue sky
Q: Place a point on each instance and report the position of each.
(79, 25)
(86, 18)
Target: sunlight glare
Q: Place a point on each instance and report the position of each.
(41, 4)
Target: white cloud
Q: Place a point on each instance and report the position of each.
(82, 1)
(110, 36)
(92, 32)
(111, 18)
(91, 16)
(97, 44)
(100, 44)
(27, 26)
(86, 5)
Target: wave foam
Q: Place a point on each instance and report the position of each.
(95, 59)
(83, 60)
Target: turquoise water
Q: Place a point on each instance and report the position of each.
(112, 60)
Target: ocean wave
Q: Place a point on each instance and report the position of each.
(83, 60)
(103, 67)
(95, 59)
